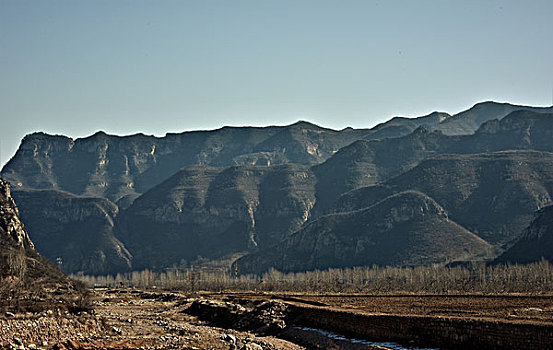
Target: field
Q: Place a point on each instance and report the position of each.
(156, 319)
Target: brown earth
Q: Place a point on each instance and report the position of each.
(134, 319)
(536, 309)
(127, 320)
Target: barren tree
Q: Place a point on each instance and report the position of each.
(17, 262)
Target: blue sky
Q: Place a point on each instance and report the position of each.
(75, 67)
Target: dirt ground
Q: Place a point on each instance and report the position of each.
(128, 320)
(134, 319)
(535, 308)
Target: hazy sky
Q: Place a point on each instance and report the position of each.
(75, 67)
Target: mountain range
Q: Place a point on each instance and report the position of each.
(411, 191)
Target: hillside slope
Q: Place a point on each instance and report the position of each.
(404, 229)
(77, 230)
(492, 194)
(203, 212)
(366, 163)
(536, 242)
(28, 281)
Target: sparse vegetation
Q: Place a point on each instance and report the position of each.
(29, 283)
(532, 278)
(17, 263)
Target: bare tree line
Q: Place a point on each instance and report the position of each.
(531, 278)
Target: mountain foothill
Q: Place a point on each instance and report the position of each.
(29, 281)
(438, 189)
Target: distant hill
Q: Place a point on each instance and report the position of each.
(467, 122)
(492, 194)
(401, 126)
(366, 163)
(463, 123)
(536, 242)
(77, 230)
(405, 229)
(213, 212)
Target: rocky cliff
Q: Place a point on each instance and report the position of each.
(123, 167)
(11, 227)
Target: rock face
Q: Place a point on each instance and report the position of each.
(11, 227)
(404, 229)
(536, 242)
(77, 230)
(118, 167)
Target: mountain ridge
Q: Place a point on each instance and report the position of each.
(120, 166)
(242, 191)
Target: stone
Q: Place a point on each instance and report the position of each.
(229, 338)
(252, 346)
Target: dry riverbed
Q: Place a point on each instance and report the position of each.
(127, 320)
(134, 319)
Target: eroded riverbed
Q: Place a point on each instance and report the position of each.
(134, 319)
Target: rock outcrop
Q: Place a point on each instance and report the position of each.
(11, 226)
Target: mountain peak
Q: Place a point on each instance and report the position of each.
(305, 125)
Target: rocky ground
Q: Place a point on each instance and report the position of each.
(135, 319)
(128, 320)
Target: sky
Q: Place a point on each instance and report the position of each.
(75, 67)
